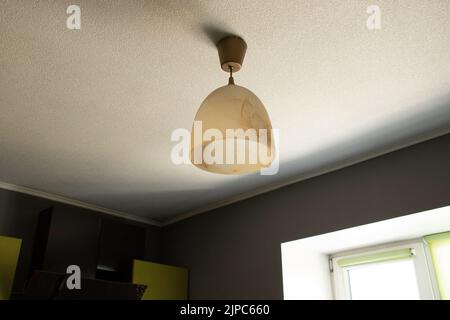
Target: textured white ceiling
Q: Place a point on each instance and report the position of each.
(88, 114)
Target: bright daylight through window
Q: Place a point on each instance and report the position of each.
(385, 280)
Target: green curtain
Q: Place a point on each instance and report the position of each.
(376, 257)
(440, 252)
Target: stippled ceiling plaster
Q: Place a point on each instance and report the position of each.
(88, 113)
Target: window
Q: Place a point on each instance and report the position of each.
(393, 275)
(386, 280)
(390, 272)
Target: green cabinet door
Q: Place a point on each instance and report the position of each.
(9, 255)
(163, 282)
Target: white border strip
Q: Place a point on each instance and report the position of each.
(77, 203)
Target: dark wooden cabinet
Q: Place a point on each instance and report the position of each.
(102, 247)
(120, 243)
(66, 236)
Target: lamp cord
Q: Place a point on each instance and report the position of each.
(231, 79)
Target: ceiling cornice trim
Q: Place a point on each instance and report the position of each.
(77, 203)
(341, 165)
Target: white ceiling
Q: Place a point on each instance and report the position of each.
(88, 114)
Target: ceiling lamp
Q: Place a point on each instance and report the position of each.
(232, 133)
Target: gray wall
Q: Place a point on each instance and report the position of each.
(18, 218)
(234, 252)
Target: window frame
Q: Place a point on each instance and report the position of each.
(433, 242)
(426, 279)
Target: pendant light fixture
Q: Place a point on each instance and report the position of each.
(221, 141)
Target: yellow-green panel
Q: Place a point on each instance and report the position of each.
(163, 282)
(440, 252)
(9, 255)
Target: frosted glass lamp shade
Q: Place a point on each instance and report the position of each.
(221, 115)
